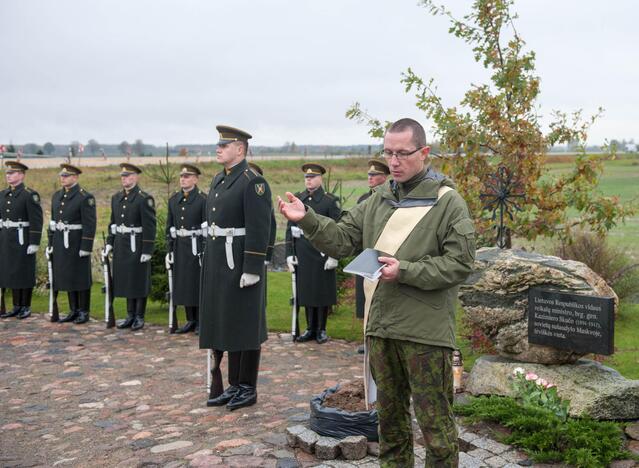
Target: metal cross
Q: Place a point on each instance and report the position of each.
(502, 190)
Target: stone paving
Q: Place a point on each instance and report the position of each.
(86, 396)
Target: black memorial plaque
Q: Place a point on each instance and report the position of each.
(584, 324)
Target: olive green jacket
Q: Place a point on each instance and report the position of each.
(434, 259)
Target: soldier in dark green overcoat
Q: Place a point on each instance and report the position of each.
(316, 279)
(185, 240)
(71, 233)
(377, 173)
(132, 237)
(232, 298)
(20, 233)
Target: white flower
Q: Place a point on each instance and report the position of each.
(519, 371)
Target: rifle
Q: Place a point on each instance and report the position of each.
(109, 316)
(3, 307)
(295, 311)
(214, 383)
(54, 312)
(172, 309)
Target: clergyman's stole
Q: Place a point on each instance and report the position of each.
(398, 227)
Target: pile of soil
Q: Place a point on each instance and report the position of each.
(349, 397)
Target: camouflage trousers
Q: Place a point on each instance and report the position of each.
(402, 369)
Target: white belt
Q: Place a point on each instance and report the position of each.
(132, 231)
(192, 233)
(296, 232)
(19, 225)
(229, 233)
(64, 228)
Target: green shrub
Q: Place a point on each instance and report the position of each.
(545, 437)
(612, 264)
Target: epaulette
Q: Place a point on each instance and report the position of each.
(144, 194)
(330, 195)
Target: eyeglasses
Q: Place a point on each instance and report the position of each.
(401, 154)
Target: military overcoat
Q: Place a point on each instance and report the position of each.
(316, 287)
(187, 212)
(74, 207)
(234, 318)
(135, 209)
(21, 204)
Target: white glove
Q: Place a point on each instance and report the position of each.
(32, 249)
(107, 249)
(169, 258)
(267, 263)
(84, 253)
(331, 263)
(291, 261)
(145, 258)
(48, 251)
(248, 279)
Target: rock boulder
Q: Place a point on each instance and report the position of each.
(495, 298)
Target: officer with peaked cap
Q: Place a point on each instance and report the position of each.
(20, 233)
(316, 279)
(232, 300)
(71, 233)
(131, 238)
(378, 172)
(185, 238)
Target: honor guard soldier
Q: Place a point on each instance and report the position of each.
(185, 237)
(131, 238)
(377, 174)
(232, 300)
(316, 280)
(71, 233)
(20, 233)
(273, 233)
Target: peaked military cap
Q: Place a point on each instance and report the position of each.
(377, 166)
(190, 169)
(68, 169)
(128, 169)
(256, 168)
(13, 166)
(313, 169)
(231, 134)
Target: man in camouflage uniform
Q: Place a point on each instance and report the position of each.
(131, 238)
(185, 238)
(315, 272)
(20, 233)
(71, 233)
(411, 320)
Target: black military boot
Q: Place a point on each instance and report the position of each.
(311, 325)
(130, 314)
(26, 304)
(140, 309)
(322, 313)
(73, 307)
(84, 301)
(16, 295)
(190, 323)
(216, 382)
(247, 394)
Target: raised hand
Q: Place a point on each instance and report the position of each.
(294, 210)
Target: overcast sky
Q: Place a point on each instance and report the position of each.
(284, 70)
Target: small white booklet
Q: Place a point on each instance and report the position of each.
(366, 264)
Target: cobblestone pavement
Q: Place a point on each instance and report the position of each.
(85, 396)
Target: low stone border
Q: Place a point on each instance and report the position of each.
(330, 448)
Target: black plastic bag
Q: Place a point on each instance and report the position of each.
(334, 422)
